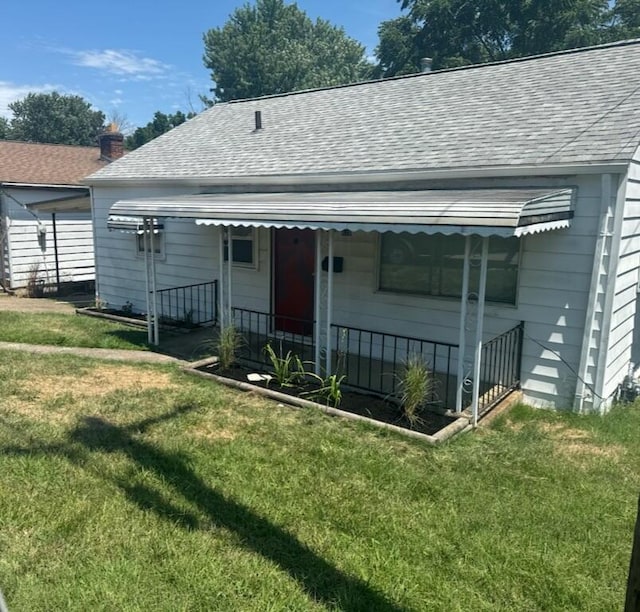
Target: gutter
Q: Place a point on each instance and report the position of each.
(45, 186)
(332, 178)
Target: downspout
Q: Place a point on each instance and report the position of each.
(612, 270)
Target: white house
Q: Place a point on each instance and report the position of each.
(486, 217)
(46, 234)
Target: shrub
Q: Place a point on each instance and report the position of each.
(227, 346)
(415, 386)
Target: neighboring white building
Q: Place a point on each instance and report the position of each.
(456, 205)
(46, 234)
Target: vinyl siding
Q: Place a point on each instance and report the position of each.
(190, 256)
(33, 257)
(622, 350)
(554, 280)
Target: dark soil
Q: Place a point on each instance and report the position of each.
(128, 314)
(370, 406)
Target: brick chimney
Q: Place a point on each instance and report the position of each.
(111, 143)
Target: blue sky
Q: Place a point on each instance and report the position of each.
(136, 57)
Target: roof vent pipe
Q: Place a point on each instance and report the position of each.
(258, 120)
(425, 64)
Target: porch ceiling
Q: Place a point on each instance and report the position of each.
(505, 212)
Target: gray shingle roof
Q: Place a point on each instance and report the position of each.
(566, 108)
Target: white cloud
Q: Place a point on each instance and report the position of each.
(121, 62)
(10, 92)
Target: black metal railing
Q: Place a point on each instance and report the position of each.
(284, 334)
(374, 361)
(500, 367)
(189, 305)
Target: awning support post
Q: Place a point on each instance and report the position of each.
(221, 309)
(55, 250)
(152, 250)
(477, 363)
(229, 267)
(329, 303)
(317, 305)
(462, 336)
(145, 248)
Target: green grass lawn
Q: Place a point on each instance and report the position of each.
(69, 330)
(140, 488)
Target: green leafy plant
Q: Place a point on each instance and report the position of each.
(415, 387)
(227, 346)
(330, 389)
(127, 307)
(288, 370)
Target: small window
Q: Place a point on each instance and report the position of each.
(243, 247)
(158, 244)
(433, 264)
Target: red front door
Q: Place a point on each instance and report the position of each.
(293, 267)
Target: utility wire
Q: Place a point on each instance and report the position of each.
(546, 348)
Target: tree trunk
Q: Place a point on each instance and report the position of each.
(633, 585)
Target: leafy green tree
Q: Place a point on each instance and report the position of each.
(459, 32)
(398, 52)
(4, 128)
(272, 47)
(625, 20)
(160, 124)
(55, 118)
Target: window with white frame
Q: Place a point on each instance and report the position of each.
(158, 244)
(432, 265)
(243, 247)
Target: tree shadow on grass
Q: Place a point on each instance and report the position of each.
(320, 580)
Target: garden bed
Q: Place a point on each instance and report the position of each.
(137, 318)
(433, 426)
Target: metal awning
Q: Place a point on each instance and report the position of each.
(504, 212)
(130, 225)
(70, 204)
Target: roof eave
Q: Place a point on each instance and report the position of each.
(613, 167)
(46, 186)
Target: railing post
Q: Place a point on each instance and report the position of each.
(215, 300)
(519, 353)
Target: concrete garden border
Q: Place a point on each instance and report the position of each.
(459, 425)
